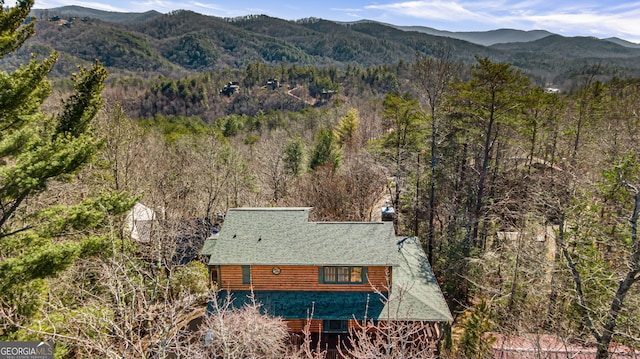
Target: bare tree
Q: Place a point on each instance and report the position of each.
(306, 349)
(434, 75)
(347, 194)
(272, 167)
(234, 333)
(123, 147)
(392, 340)
(121, 309)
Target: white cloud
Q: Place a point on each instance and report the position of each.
(347, 10)
(625, 6)
(434, 10)
(571, 19)
(207, 6)
(597, 22)
(89, 4)
(354, 13)
(356, 16)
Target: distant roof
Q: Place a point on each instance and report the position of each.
(532, 345)
(284, 236)
(139, 222)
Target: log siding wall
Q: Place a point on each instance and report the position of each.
(297, 325)
(296, 278)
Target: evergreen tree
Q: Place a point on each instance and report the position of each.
(399, 147)
(12, 31)
(37, 242)
(326, 150)
(293, 156)
(347, 128)
(599, 242)
(433, 75)
(473, 342)
(488, 106)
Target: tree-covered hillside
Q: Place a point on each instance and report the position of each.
(184, 41)
(526, 200)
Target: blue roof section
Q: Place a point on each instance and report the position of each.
(299, 305)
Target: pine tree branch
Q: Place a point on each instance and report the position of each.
(6, 215)
(577, 280)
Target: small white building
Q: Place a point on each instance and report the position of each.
(139, 222)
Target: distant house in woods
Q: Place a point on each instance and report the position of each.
(273, 83)
(139, 222)
(230, 88)
(181, 239)
(339, 271)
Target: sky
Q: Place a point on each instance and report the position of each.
(602, 19)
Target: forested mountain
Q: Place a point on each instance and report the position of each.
(623, 42)
(525, 199)
(486, 38)
(66, 12)
(183, 41)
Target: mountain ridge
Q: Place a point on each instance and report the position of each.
(81, 11)
(485, 38)
(183, 42)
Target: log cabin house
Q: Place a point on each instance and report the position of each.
(335, 274)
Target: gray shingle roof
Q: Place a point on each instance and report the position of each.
(284, 236)
(415, 293)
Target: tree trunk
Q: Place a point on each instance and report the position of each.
(479, 206)
(623, 288)
(604, 339)
(432, 187)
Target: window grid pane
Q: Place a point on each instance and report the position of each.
(343, 274)
(330, 274)
(356, 274)
(335, 326)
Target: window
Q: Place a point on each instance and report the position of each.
(214, 272)
(246, 274)
(335, 326)
(355, 276)
(342, 275)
